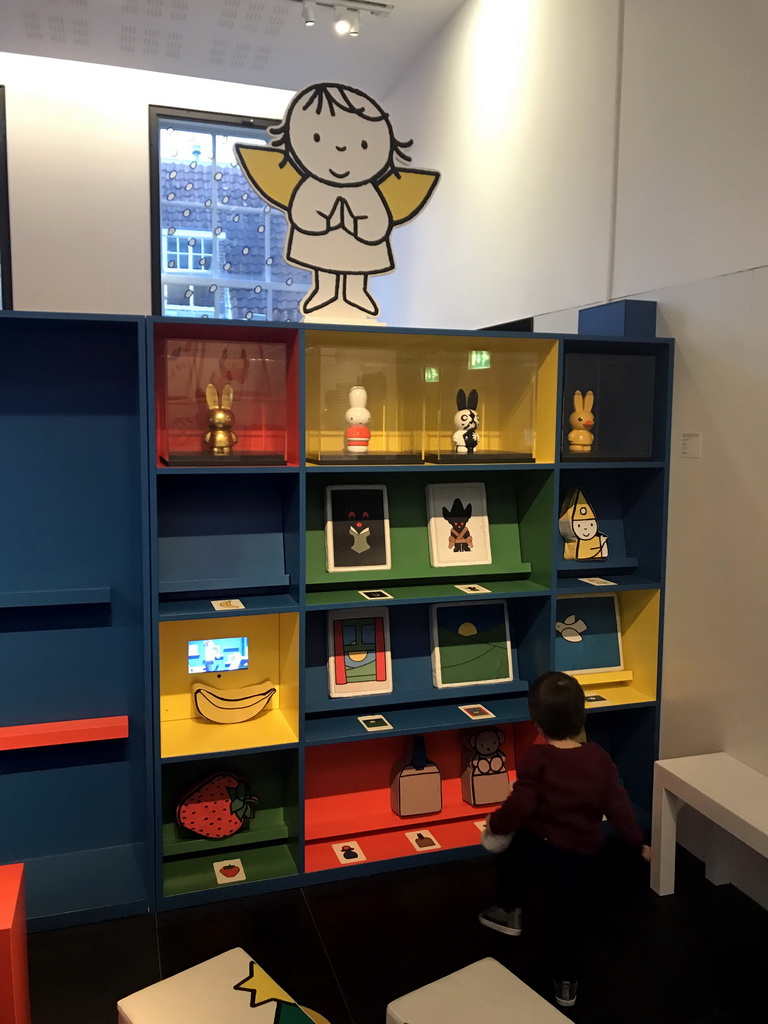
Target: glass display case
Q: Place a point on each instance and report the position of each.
(365, 398)
(609, 402)
(481, 397)
(224, 397)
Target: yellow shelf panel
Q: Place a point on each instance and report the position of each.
(186, 737)
(619, 695)
(590, 680)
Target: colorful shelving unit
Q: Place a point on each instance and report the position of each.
(148, 529)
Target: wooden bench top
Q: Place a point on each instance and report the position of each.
(726, 790)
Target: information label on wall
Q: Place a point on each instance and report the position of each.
(690, 446)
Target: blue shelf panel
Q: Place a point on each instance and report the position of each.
(67, 883)
(566, 463)
(596, 567)
(407, 721)
(214, 586)
(191, 608)
(420, 692)
(52, 598)
(628, 582)
(429, 593)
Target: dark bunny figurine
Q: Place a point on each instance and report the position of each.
(466, 420)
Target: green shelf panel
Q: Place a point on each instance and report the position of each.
(415, 593)
(267, 826)
(517, 540)
(195, 873)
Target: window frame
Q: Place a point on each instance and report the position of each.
(6, 280)
(185, 117)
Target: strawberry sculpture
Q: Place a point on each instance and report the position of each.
(218, 807)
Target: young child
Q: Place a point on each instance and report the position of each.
(550, 827)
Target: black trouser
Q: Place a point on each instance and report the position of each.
(562, 876)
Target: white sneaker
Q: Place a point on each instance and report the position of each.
(508, 923)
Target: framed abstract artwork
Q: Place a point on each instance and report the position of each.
(588, 634)
(357, 528)
(359, 654)
(471, 644)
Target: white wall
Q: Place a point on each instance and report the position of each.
(690, 231)
(515, 104)
(78, 170)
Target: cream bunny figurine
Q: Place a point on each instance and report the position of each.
(580, 438)
(357, 435)
(220, 439)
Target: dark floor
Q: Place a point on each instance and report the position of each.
(349, 948)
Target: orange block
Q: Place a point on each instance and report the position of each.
(14, 977)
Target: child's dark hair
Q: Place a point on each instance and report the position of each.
(556, 704)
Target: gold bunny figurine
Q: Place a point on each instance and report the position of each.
(220, 438)
(580, 438)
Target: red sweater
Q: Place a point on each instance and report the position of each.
(562, 793)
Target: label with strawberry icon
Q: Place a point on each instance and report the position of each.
(229, 871)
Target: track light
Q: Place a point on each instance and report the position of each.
(341, 20)
(308, 10)
(354, 22)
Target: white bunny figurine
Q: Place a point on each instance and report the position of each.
(466, 419)
(580, 438)
(357, 435)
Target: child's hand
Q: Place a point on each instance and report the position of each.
(493, 843)
(646, 853)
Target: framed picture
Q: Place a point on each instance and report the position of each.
(470, 644)
(588, 634)
(458, 525)
(356, 528)
(359, 656)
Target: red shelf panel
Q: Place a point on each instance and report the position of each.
(50, 734)
(380, 846)
(347, 785)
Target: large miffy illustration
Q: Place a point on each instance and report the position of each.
(334, 174)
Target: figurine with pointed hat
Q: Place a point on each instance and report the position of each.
(579, 529)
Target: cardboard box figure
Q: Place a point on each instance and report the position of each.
(416, 787)
(485, 779)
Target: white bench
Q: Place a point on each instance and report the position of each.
(229, 989)
(484, 991)
(733, 796)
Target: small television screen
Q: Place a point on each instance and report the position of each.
(223, 655)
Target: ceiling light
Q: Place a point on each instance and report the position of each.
(341, 20)
(308, 10)
(354, 22)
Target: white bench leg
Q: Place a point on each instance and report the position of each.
(665, 810)
(718, 845)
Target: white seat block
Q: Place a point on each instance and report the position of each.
(484, 991)
(731, 794)
(203, 995)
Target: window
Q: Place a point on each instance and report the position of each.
(6, 294)
(217, 248)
